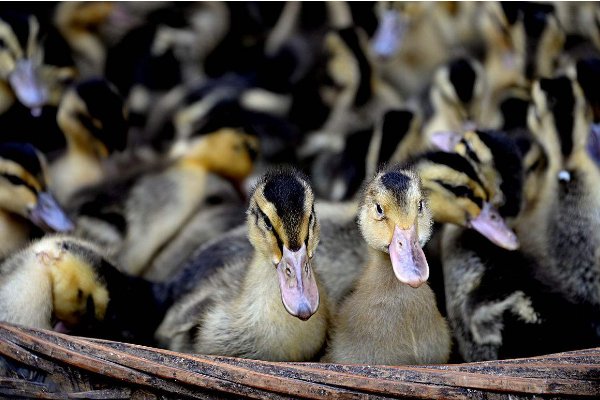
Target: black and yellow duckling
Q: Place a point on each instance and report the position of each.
(68, 285)
(137, 215)
(503, 304)
(267, 306)
(25, 202)
(523, 42)
(398, 322)
(92, 117)
(457, 96)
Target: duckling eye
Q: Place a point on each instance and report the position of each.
(268, 224)
(420, 207)
(379, 210)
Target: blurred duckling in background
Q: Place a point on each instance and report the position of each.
(398, 322)
(27, 69)
(137, 215)
(92, 117)
(458, 95)
(79, 23)
(267, 306)
(523, 42)
(24, 198)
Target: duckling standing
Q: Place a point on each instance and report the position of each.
(268, 307)
(391, 316)
(136, 216)
(24, 198)
(91, 116)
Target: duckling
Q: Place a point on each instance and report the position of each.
(36, 77)
(523, 42)
(91, 116)
(502, 304)
(24, 198)
(79, 23)
(457, 96)
(247, 308)
(410, 43)
(560, 119)
(359, 97)
(66, 284)
(137, 215)
(398, 323)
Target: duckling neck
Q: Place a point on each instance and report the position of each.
(380, 273)
(14, 233)
(259, 308)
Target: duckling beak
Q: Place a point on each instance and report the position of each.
(445, 141)
(26, 85)
(490, 224)
(299, 291)
(408, 260)
(389, 36)
(49, 216)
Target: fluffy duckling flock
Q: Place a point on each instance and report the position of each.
(379, 183)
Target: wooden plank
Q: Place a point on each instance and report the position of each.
(169, 374)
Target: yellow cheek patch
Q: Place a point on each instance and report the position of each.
(73, 283)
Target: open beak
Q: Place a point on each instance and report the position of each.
(490, 224)
(27, 86)
(49, 216)
(389, 36)
(445, 141)
(299, 292)
(408, 260)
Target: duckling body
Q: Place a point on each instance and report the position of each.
(238, 310)
(398, 323)
(143, 212)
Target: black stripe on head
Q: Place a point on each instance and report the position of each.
(286, 192)
(25, 155)
(588, 71)
(351, 39)
(514, 111)
(462, 76)
(462, 191)
(560, 101)
(507, 161)
(90, 256)
(15, 180)
(511, 11)
(397, 184)
(454, 161)
(106, 105)
(395, 126)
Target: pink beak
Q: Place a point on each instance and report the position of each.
(445, 141)
(490, 224)
(408, 260)
(299, 291)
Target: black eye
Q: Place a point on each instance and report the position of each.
(420, 207)
(379, 210)
(268, 224)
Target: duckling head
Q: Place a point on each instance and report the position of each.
(560, 119)
(227, 152)
(457, 196)
(79, 293)
(92, 117)
(23, 188)
(283, 229)
(21, 58)
(394, 218)
(458, 90)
